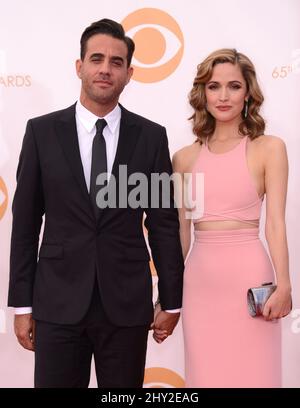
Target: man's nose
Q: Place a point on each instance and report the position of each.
(104, 68)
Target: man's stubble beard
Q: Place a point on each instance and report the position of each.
(104, 97)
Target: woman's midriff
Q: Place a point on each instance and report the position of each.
(224, 225)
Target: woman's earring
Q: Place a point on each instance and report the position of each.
(246, 109)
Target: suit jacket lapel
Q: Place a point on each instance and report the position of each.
(67, 136)
(129, 132)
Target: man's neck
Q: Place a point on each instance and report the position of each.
(97, 109)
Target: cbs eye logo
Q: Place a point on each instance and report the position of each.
(152, 267)
(3, 198)
(158, 41)
(159, 377)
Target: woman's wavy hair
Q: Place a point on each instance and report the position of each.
(203, 122)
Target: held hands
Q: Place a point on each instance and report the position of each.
(164, 323)
(25, 330)
(278, 305)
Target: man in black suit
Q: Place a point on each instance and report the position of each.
(89, 290)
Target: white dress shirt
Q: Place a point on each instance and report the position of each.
(86, 130)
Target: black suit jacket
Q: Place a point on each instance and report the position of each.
(58, 282)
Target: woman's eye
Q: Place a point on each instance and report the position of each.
(236, 86)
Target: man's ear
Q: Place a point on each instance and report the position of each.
(78, 67)
(129, 73)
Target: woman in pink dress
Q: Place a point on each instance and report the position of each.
(239, 167)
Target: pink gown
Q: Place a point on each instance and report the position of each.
(224, 345)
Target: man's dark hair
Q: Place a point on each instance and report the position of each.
(109, 27)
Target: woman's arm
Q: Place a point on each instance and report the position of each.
(185, 223)
(276, 179)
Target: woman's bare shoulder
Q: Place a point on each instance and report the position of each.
(185, 156)
(268, 145)
(269, 142)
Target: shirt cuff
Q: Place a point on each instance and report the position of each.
(23, 310)
(173, 311)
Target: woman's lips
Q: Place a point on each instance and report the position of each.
(223, 108)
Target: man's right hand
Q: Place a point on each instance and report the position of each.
(25, 330)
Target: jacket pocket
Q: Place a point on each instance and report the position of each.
(137, 254)
(51, 251)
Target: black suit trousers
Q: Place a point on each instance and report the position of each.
(63, 353)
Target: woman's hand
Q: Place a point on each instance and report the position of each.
(158, 335)
(278, 305)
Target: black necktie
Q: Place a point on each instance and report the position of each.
(99, 162)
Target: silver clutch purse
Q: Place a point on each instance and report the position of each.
(257, 297)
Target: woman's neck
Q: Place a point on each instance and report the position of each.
(225, 131)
